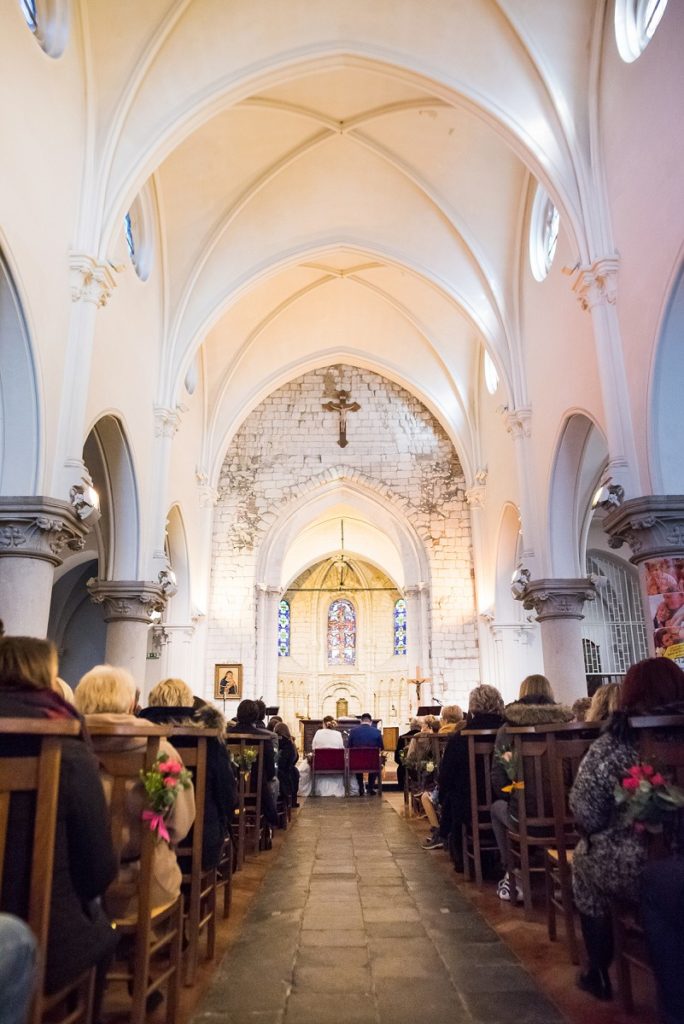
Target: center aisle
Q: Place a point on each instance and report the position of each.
(356, 924)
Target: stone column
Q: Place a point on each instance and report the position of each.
(176, 645)
(34, 532)
(518, 423)
(266, 677)
(596, 289)
(418, 634)
(128, 606)
(166, 424)
(92, 284)
(558, 605)
(653, 528)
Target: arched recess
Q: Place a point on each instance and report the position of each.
(178, 608)
(336, 489)
(507, 555)
(76, 625)
(107, 456)
(667, 426)
(20, 427)
(581, 460)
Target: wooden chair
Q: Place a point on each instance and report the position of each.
(534, 830)
(199, 885)
(659, 740)
(36, 777)
(365, 759)
(225, 869)
(329, 761)
(149, 932)
(250, 784)
(567, 745)
(478, 836)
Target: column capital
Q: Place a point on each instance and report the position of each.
(127, 600)
(518, 422)
(596, 285)
(166, 420)
(476, 495)
(91, 281)
(415, 589)
(268, 589)
(558, 598)
(652, 526)
(38, 527)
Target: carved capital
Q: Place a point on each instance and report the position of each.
(130, 600)
(38, 527)
(477, 494)
(208, 495)
(166, 421)
(519, 422)
(558, 599)
(596, 285)
(651, 526)
(91, 281)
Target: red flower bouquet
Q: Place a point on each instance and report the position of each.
(645, 798)
(162, 783)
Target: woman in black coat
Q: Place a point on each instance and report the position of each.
(288, 773)
(80, 935)
(485, 711)
(171, 703)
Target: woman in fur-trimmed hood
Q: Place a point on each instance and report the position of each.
(535, 706)
(171, 702)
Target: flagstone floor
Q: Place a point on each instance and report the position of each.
(353, 925)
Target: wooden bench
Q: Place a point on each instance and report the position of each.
(478, 835)
(249, 813)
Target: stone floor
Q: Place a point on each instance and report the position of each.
(353, 925)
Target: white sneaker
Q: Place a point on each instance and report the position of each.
(503, 891)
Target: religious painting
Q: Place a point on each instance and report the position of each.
(665, 590)
(227, 682)
(341, 633)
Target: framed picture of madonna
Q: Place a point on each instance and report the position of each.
(227, 682)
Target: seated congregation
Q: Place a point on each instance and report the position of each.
(125, 824)
(119, 829)
(588, 799)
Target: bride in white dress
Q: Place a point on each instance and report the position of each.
(328, 738)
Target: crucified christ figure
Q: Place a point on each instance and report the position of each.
(342, 406)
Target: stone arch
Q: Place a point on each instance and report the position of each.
(580, 462)
(20, 420)
(108, 458)
(667, 430)
(178, 609)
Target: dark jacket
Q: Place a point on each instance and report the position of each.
(365, 736)
(221, 793)
(269, 754)
(80, 935)
(454, 770)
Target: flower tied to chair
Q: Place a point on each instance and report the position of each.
(509, 762)
(163, 782)
(646, 799)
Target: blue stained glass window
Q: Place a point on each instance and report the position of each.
(341, 633)
(128, 232)
(28, 9)
(400, 626)
(284, 629)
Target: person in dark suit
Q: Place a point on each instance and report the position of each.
(366, 735)
(402, 744)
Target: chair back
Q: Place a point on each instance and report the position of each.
(566, 746)
(32, 777)
(250, 783)
(326, 761)
(364, 759)
(477, 835)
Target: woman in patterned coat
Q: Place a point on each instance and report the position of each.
(609, 858)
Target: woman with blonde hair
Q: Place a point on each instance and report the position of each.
(171, 702)
(605, 701)
(80, 935)
(106, 696)
(451, 720)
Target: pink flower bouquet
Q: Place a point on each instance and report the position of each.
(163, 782)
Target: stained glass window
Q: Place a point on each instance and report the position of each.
(341, 633)
(128, 232)
(400, 626)
(284, 629)
(28, 9)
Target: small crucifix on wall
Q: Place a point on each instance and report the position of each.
(342, 406)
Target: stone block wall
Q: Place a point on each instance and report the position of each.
(287, 445)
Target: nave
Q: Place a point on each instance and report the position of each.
(355, 923)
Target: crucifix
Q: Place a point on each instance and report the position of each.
(418, 682)
(342, 406)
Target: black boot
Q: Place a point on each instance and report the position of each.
(598, 939)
